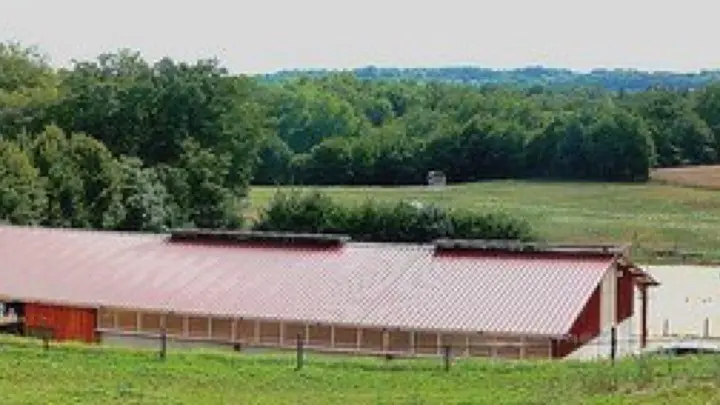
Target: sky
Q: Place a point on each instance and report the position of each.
(255, 36)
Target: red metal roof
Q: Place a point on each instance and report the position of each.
(384, 285)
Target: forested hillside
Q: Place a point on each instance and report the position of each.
(122, 143)
(611, 79)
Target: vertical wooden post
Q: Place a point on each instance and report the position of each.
(300, 354)
(209, 334)
(186, 326)
(332, 336)
(234, 334)
(358, 339)
(45, 334)
(138, 321)
(446, 356)
(98, 316)
(706, 328)
(613, 344)
(163, 339)
(643, 317)
(256, 331)
(233, 330)
(281, 334)
(412, 342)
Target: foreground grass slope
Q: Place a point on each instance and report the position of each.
(652, 216)
(77, 375)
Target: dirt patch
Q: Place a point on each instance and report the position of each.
(696, 176)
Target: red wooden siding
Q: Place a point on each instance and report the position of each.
(67, 323)
(625, 296)
(585, 328)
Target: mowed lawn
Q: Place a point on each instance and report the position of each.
(652, 216)
(77, 375)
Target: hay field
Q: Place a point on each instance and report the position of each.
(696, 176)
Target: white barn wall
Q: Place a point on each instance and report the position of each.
(608, 300)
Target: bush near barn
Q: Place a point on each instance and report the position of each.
(400, 221)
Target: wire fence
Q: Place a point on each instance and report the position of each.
(676, 252)
(581, 348)
(590, 369)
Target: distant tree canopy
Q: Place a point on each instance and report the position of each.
(122, 143)
(532, 77)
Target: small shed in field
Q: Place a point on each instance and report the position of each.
(436, 178)
(243, 289)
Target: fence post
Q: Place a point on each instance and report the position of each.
(45, 334)
(613, 344)
(163, 343)
(666, 328)
(446, 357)
(300, 354)
(706, 328)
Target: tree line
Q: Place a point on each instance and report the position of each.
(342, 130)
(122, 143)
(525, 77)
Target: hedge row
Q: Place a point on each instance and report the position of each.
(403, 221)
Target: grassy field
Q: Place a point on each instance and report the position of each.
(81, 375)
(652, 216)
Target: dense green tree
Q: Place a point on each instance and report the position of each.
(83, 180)
(28, 88)
(622, 148)
(306, 116)
(483, 149)
(149, 111)
(208, 202)
(679, 134)
(274, 160)
(101, 179)
(22, 193)
(145, 199)
(329, 162)
(708, 108)
(65, 187)
(601, 144)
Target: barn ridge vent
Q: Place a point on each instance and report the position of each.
(514, 246)
(244, 237)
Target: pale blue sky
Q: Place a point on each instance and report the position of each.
(257, 36)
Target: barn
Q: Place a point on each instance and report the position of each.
(245, 290)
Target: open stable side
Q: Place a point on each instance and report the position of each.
(137, 328)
